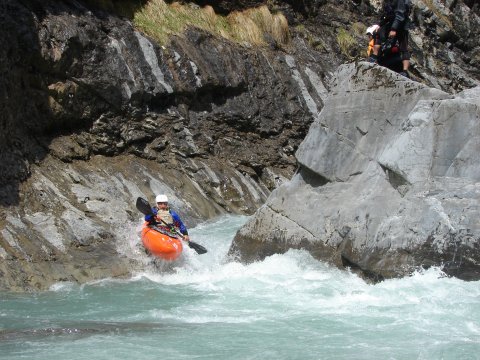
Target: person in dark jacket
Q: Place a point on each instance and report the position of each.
(393, 29)
(166, 218)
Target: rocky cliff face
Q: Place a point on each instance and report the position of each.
(444, 42)
(389, 181)
(96, 114)
(111, 90)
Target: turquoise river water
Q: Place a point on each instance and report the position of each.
(204, 307)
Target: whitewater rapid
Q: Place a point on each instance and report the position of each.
(207, 306)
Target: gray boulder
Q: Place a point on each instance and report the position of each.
(388, 181)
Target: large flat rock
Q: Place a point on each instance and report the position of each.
(388, 181)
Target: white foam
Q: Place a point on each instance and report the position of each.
(63, 286)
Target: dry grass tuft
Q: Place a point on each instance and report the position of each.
(262, 18)
(280, 30)
(210, 13)
(275, 25)
(359, 28)
(244, 29)
(346, 42)
(161, 20)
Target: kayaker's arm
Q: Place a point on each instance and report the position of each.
(178, 223)
(150, 218)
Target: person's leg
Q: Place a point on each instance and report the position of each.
(373, 58)
(404, 53)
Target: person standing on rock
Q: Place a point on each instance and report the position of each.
(394, 24)
(165, 218)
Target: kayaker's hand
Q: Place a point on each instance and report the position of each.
(186, 237)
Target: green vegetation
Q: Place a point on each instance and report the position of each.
(359, 29)
(161, 20)
(346, 42)
(315, 42)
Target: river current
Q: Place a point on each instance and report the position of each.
(288, 306)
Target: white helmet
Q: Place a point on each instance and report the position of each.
(161, 198)
(372, 29)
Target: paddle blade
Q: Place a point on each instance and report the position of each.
(197, 247)
(143, 206)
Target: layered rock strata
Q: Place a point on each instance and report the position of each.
(95, 113)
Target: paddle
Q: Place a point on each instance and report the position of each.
(144, 207)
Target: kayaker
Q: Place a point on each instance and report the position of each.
(166, 218)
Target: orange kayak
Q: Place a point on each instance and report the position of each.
(161, 244)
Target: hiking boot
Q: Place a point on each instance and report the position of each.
(404, 73)
(372, 59)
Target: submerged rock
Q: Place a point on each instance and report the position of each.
(389, 181)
